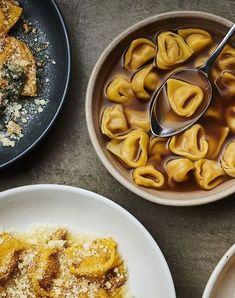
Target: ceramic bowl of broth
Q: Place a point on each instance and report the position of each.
(194, 167)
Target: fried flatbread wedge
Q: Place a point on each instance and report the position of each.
(10, 13)
(16, 52)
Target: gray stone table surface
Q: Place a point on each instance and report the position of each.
(192, 239)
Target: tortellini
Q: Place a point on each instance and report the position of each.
(178, 170)
(184, 98)
(226, 84)
(226, 60)
(215, 110)
(230, 118)
(113, 121)
(131, 148)
(191, 144)
(97, 265)
(138, 119)
(143, 80)
(140, 51)
(208, 173)
(228, 159)
(9, 15)
(197, 39)
(172, 50)
(148, 176)
(158, 148)
(216, 136)
(120, 90)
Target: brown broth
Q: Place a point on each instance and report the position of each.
(163, 75)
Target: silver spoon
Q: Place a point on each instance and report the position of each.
(159, 105)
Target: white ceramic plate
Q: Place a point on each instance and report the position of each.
(221, 282)
(87, 212)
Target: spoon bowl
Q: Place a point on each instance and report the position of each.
(163, 121)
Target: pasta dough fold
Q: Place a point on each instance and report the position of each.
(184, 98)
(226, 84)
(216, 136)
(226, 60)
(215, 110)
(120, 90)
(208, 173)
(131, 148)
(197, 39)
(113, 121)
(148, 176)
(191, 144)
(143, 80)
(140, 51)
(178, 170)
(157, 149)
(138, 119)
(172, 50)
(228, 159)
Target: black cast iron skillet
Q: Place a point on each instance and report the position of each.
(49, 21)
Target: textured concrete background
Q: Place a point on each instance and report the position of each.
(192, 239)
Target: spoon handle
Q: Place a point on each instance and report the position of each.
(209, 63)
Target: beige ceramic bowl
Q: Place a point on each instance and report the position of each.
(94, 97)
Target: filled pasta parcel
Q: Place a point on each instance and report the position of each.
(52, 262)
